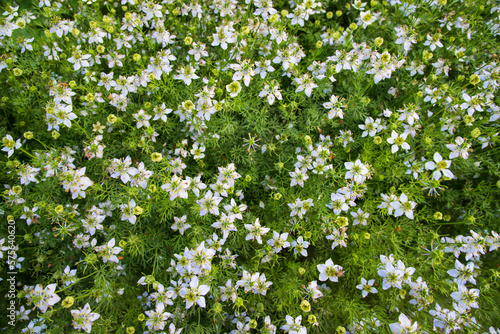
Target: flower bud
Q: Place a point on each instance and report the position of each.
(312, 320)
(340, 330)
(138, 210)
(379, 41)
(68, 302)
(305, 306)
(474, 79)
(475, 133)
(438, 215)
(112, 118)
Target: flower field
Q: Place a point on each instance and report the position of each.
(250, 166)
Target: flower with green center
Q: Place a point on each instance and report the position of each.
(83, 319)
(398, 140)
(366, 287)
(10, 145)
(330, 271)
(439, 166)
(233, 88)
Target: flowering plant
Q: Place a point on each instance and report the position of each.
(245, 166)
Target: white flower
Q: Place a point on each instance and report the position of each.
(43, 298)
(233, 88)
(186, 74)
(157, 318)
(366, 18)
(466, 298)
(298, 177)
(256, 231)
(392, 277)
(271, 92)
(293, 326)
(440, 166)
(109, 251)
(197, 151)
(180, 224)
(329, 271)
(366, 287)
(305, 83)
(128, 211)
(195, 293)
(433, 42)
(176, 187)
(360, 217)
(9, 145)
(463, 273)
(278, 242)
(398, 140)
(335, 107)
(403, 326)
(403, 206)
(356, 171)
(338, 204)
(300, 246)
(460, 149)
(83, 319)
(234, 210)
(209, 203)
(371, 127)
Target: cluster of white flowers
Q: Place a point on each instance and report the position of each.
(41, 297)
(75, 182)
(300, 208)
(128, 61)
(60, 109)
(255, 282)
(121, 168)
(398, 205)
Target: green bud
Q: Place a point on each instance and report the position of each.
(305, 306)
(438, 215)
(474, 79)
(475, 133)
